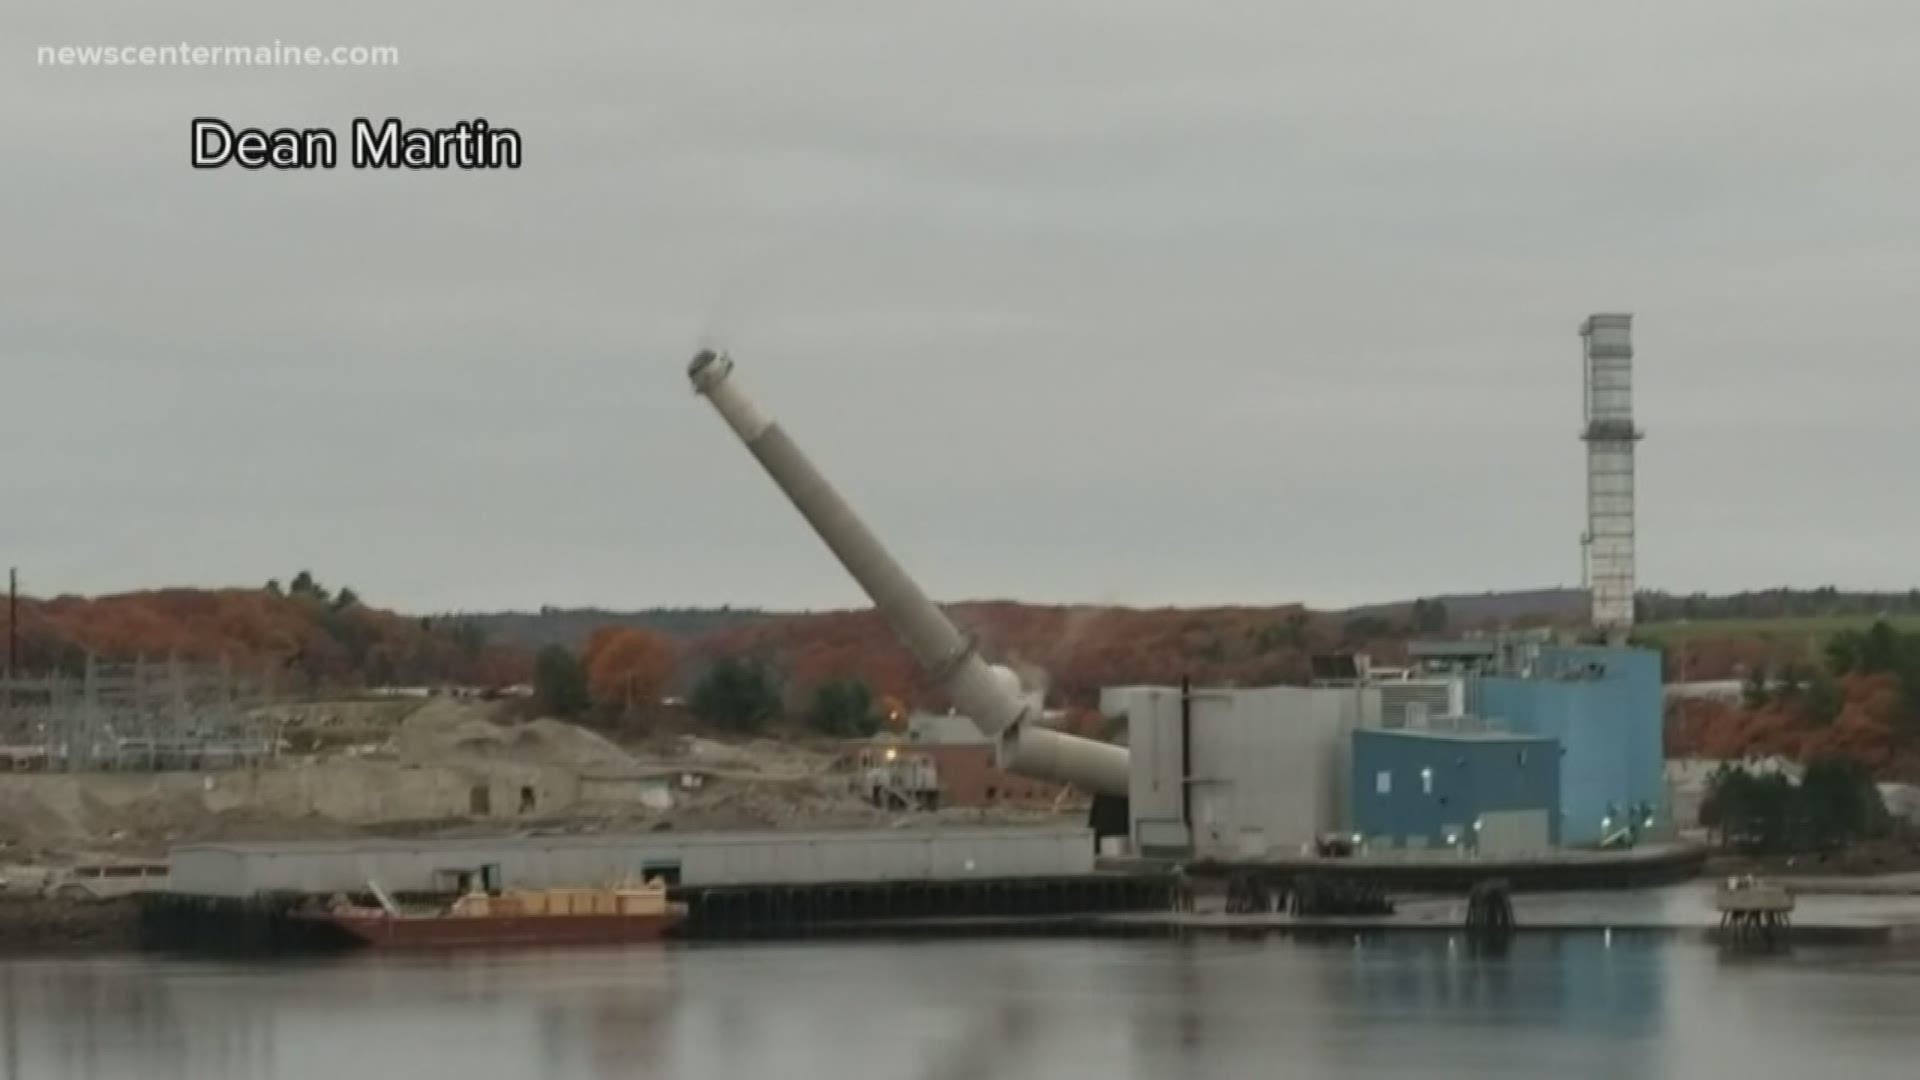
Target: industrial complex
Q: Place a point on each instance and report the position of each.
(1497, 745)
(1501, 746)
(1520, 752)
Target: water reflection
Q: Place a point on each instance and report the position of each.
(1356, 1005)
(613, 1032)
(1626, 1004)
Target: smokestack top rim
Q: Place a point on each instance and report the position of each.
(708, 367)
(1607, 320)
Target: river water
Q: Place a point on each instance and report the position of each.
(1590, 1004)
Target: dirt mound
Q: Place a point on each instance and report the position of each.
(36, 817)
(774, 804)
(759, 756)
(444, 766)
(444, 728)
(556, 742)
(358, 716)
(60, 817)
(445, 731)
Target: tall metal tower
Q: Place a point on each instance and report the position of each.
(1609, 435)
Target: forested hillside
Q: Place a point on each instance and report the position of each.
(1857, 697)
(571, 627)
(1826, 673)
(300, 635)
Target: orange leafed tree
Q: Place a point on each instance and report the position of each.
(1868, 729)
(628, 666)
(262, 635)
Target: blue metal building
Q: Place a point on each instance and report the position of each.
(1603, 706)
(1495, 791)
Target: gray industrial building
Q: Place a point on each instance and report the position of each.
(321, 867)
(1239, 774)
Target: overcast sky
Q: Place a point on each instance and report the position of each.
(1103, 301)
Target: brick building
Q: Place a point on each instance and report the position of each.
(962, 760)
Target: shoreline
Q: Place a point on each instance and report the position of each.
(35, 926)
(1866, 910)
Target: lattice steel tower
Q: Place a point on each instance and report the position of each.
(1609, 435)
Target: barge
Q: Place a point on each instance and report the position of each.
(620, 915)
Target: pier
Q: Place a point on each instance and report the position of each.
(1753, 911)
(241, 896)
(1643, 867)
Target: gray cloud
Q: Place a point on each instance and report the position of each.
(1122, 301)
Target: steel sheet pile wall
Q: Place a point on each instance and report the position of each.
(701, 859)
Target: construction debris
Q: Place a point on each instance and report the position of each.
(433, 767)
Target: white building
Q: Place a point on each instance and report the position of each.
(1236, 774)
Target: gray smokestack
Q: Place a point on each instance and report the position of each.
(988, 693)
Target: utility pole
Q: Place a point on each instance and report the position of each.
(13, 635)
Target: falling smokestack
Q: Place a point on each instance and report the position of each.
(1609, 435)
(989, 693)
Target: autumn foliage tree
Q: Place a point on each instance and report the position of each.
(1860, 706)
(305, 639)
(1074, 650)
(627, 667)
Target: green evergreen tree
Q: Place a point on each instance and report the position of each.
(843, 708)
(737, 695)
(560, 682)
